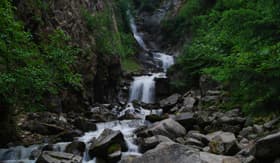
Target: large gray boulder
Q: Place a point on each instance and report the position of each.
(58, 157)
(107, 143)
(212, 158)
(186, 119)
(168, 153)
(268, 148)
(170, 101)
(168, 127)
(223, 143)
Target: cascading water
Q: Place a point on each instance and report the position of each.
(142, 89)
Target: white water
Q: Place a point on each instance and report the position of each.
(164, 61)
(143, 87)
(135, 32)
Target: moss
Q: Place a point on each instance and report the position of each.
(113, 148)
(130, 65)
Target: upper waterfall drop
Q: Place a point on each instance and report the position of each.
(164, 61)
(135, 32)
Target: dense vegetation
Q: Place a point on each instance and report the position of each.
(30, 71)
(237, 43)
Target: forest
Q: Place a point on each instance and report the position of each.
(139, 81)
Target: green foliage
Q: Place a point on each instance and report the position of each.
(108, 27)
(29, 71)
(129, 64)
(237, 43)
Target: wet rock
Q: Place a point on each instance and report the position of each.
(162, 87)
(155, 118)
(268, 148)
(152, 142)
(167, 153)
(76, 148)
(168, 128)
(223, 143)
(169, 102)
(67, 136)
(185, 119)
(58, 157)
(102, 114)
(212, 158)
(84, 125)
(107, 143)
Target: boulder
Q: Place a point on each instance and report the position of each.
(188, 104)
(152, 142)
(223, 143)
(198, 136)
(166, 153)
(84, 124)
(268, 148)
(212, 158)
(185, 119)
(170, 101)
(76, 148)
(58, 157)
(168, 128)
(107, 143)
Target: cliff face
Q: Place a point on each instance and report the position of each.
(100, 72)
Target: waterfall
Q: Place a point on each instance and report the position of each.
(135, 32)
(143, 87)
(164, 61)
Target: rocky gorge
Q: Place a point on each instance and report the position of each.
(142, 120)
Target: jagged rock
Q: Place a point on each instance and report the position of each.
(107, 143)
(232, 120)
(258, 129)
(212, 158)
(188, 104)
(76, 148)
(58, 157)
(170, 101)
(195, 142)
(168, 127)
(198, 136)
(167, 153)
(223, 143)
(185, 119)
(246, 131)
(268, 148)
(152, 142)
(269, 125)
(155, 118)
(84, 124)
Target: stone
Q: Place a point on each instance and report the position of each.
(155, 117)
(170, 101)
(108, 142)
(58, 157)
(76, 148)
(232, 120)
(168, 153)
(196, 135)
(195, 142)
(188, 103)
(269, 125)
(152, 142)
(258, 129)
(212, 158)
(168, 128)
(223, 143)
(185, 119)
(268, 148)
(84, 125)
(246, 131)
